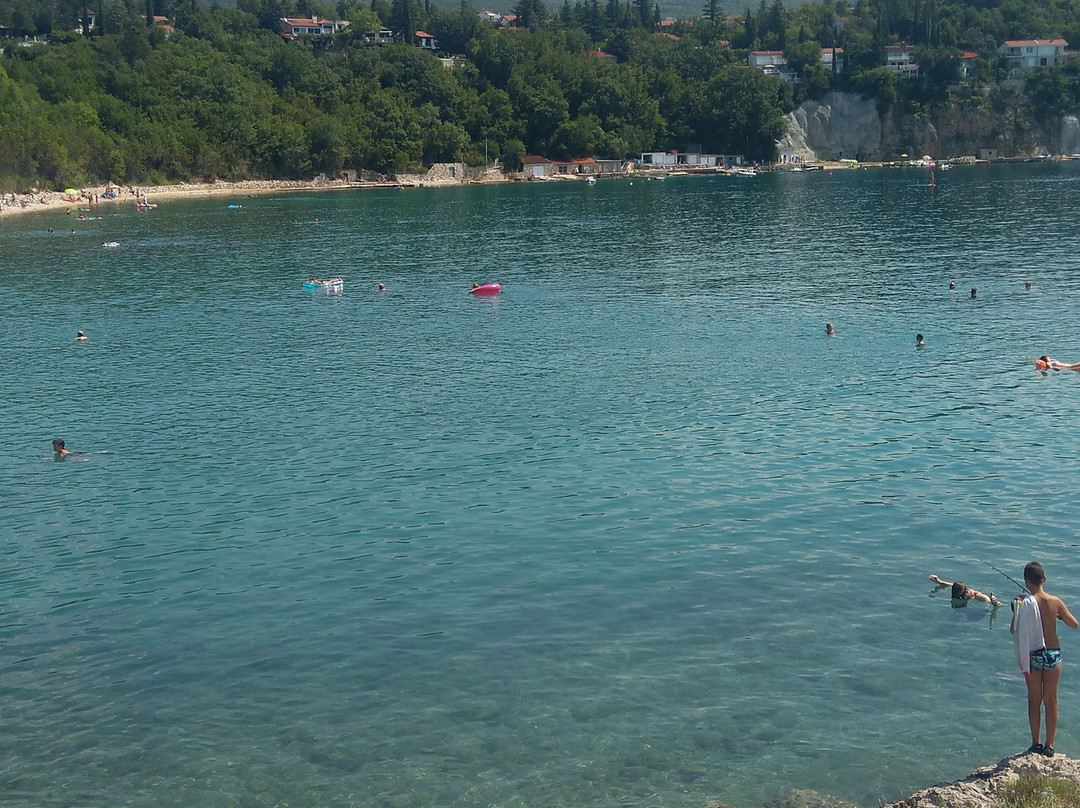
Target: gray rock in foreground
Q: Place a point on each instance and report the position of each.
(981, 788)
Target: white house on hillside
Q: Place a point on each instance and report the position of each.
(1022, 55)
(302, 26)
(772, 63)
(900, 59)
(833, 59)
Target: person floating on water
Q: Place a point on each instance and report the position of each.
(962, 594)
(80, 336)
(919, 342)
(1038, 652)
(382, 287)
(58, 449)
(1044, 362)
(829, 330)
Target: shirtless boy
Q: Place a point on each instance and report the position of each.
(1042, 682)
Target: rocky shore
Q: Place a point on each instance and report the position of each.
(983, 788)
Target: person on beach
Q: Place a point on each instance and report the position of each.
(962, 594)
(1038, 652)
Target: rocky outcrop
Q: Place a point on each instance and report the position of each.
(843, 125)
(839, 126)
(1070, 135)
(982, 788)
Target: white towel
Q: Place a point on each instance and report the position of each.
(1027, 632)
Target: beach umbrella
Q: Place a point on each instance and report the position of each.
(71, 192)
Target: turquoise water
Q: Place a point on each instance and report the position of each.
(636, 532)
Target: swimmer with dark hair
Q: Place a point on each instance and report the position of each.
(1044, 362)
(830, 330)
(962, 593)
(80, 336)
(919, 342)
(59, 450)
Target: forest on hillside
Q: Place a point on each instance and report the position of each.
(168, 91)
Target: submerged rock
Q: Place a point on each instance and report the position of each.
(804, 798)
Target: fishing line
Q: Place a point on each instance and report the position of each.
(995, 569)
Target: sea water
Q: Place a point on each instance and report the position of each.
(634, 532)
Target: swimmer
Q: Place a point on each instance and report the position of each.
(1027, 284)
(919, 343)
(382, 287)
(59, 450)
(80, 336)
(962, 593)
(830, 330)
(974, 292)
(1044, 362)
(952, 284)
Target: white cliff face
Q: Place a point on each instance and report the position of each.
(1070, 135)
(839, 126)
(842, 126)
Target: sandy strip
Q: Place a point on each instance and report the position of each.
(42, 201)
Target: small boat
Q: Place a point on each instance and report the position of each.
(331, 282)
(486, 289)
(745, 172)
(111, 244)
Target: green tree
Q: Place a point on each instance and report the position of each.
(513, 156)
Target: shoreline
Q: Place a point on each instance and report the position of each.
(14, 204)
(87, 199)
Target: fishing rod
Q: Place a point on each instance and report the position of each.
(995, 569)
